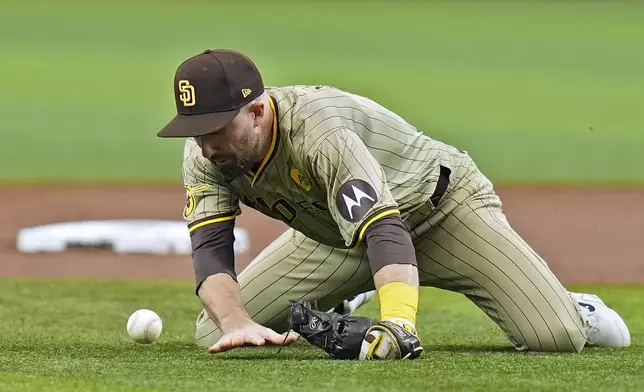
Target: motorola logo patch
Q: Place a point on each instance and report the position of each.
(355, 199)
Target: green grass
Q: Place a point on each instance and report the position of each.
(535, 91)
(70, 335)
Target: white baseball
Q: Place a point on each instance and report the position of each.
(144, 326)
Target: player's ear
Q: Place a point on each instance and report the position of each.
(257, 108)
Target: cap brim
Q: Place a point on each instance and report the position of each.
(197, 124)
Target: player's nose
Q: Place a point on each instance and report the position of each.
(209, 152)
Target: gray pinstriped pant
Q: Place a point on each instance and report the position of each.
(466, 245)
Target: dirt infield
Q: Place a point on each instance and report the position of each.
(585, 235)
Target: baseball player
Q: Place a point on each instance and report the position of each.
(372, 204)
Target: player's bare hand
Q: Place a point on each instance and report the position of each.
(252, 334)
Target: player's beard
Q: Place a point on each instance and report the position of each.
(240, 164)
(234, 170)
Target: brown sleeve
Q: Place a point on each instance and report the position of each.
(213, 251)
(389, 242)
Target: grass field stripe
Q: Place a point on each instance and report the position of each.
(90, 356)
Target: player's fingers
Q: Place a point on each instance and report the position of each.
(228, 342)
(275, 338)
(216, 348)
(238, 341)
(225, 343)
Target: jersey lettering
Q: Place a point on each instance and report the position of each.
(280, 209)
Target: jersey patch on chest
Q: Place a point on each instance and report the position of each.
(300, 179)
(355, 199)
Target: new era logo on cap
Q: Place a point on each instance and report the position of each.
(210, 89)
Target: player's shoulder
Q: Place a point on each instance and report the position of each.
(300, 97)
(299, 101)
(292, 93)
(309, 112)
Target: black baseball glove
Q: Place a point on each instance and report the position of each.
(339, 335)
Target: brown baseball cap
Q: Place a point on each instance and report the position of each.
(210, 89)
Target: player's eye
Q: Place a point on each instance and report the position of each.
(219, 131)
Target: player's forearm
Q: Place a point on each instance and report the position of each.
(393, 261)
(391, 253)
(213, 251)
(220, 296)
(214, 263)
(405, 273)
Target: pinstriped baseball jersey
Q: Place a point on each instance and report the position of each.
(337, 162)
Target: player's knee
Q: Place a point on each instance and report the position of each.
(573, 336)
(566, 337)
(206, 331)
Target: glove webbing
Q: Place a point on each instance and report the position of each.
(336, 334)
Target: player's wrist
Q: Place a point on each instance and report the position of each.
(235, 322)
(220, 296)
(398, 300)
